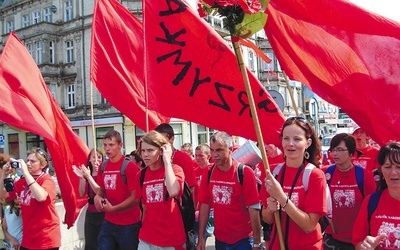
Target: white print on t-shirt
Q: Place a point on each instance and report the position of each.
(392, 241)
(154, 193)
(344, 198)
(294, 198)
(222, 194)
(110, 181)
(25, 197)
(361, 162)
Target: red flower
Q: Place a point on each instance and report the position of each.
(250, 6)
(200, 10)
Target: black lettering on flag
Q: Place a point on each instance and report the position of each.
(224, 105)
(245, 105)
(264, 104)
(171, 38)
(185, 69)
(181, 7)
(197, 82)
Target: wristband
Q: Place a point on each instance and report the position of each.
(30, 184)
(284, 205)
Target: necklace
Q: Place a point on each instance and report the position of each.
(345, 169)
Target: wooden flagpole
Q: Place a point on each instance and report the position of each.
(92, 121)
(239, 56)
(296, 110)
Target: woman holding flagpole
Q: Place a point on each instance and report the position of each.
(299, 209)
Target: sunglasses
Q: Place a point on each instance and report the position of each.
(42, 153)
(297, 118)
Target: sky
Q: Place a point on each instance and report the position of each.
(387, 8)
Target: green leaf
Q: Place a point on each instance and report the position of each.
(251, 24)
(264, 4)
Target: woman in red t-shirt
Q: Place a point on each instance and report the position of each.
(378, 226)
(299, 210)
(88, 185)
(162, 224)
(36, 193)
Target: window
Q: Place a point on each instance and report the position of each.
(36, 17)
(52, 51)
(33, 141)
(47, 15)
(10, 26)
(52, 88)
(70, 51)
(269, 66)
(25, 21)
(203, 134)
(13, 145)
(251, 60)
(39, 51)
(71, 96)
(30, 48)
(100, 132)
(68, 10)
(178, 141)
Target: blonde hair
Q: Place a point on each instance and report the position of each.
(41, 155)
(153, 138)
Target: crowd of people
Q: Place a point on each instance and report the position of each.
(297, 202)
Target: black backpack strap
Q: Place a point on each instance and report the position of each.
(209, 173)
(360, 178)
(372, 205)
(141, 180)
(103, 166)
(240, 171)
(123, 169)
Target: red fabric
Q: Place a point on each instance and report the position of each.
(160, 215)
(40, 221)
(368, 159)
(230, 201)
(27, 104)
(314, 201)
(117, 67)
(346, 201)
(194, 75)
(385, 219)
(345, 54)
(117, 191)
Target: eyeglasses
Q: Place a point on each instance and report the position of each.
(338, 150)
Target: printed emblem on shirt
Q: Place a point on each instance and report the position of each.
(344, 198)
(25, 198)
(392, 241)
(154, 193)
(110, 181)
(222, 194)
(295, 198)
(361, 162)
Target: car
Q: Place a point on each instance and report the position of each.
(326, 143)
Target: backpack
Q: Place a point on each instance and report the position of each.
(372, 205)
(324, 220)
(186, 207)
(359, 176)
(121, 171)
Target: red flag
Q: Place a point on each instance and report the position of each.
(117, 65)
(347, 55)
(27, 104)
(194, 75)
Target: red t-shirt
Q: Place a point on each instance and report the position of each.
(162, 221)
(385, 219)
(91, 207)
(314, 201)
(346, 201)
(117, 191)
(230, 201)
(198, 171)
(369, 158)
(185, 162)
(40, 221)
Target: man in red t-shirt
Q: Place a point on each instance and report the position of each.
(236, 203)
(117, 198)
(178, 157)
(368, 159)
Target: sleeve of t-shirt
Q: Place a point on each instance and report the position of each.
(50, 187)
(361, 225)
(204, 195)
(136, 184)
(180, 177)
(250, 187)
(190, 176)
(316, 194)
(130, 174)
